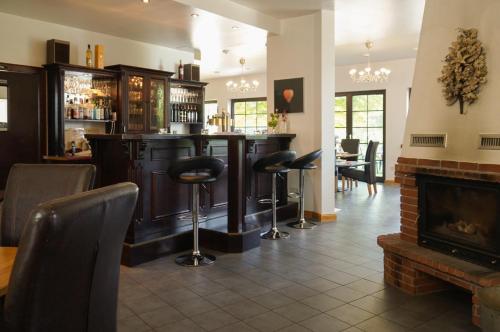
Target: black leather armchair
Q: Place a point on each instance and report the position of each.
(31, 184)
(367, 175)
(65, 276)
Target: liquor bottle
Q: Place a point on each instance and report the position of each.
(88, 56)
(181, 71)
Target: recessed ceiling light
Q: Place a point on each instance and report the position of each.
(194, 15)
(145, 1)
(235, 27)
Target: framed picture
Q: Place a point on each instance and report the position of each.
(289, 95)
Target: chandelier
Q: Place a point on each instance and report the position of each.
(369, 75)
(243, 85)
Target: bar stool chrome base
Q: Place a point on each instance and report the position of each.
(302, 224)
(274, 234)
(195, 260)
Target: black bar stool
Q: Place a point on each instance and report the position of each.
(274, 163)
(194, 171)
(303, 163)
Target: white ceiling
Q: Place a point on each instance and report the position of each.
(162, 22)
(286, 8)
(394, 26)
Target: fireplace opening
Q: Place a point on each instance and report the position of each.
(461, 218)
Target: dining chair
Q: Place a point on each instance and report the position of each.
(31, 184)
(350, 145)
(65, 275)
(367, 175)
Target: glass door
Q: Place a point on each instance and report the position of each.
(157, 104)
(361, 115)
(136, 103)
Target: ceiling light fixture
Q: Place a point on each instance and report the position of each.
(145, 1)
(243, 86)
(368, 75)
(194, 15)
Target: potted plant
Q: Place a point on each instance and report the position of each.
(273, 122)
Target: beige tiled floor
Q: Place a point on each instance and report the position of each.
(327, 279)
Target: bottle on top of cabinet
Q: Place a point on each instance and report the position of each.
(88, 56)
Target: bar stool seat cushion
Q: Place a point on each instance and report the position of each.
(201, 169)
(275, 162)
(306, 161)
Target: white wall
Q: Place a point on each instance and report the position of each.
(306, 49)
(428, 110)
(23, 42)
(216, 90)
(396, 101)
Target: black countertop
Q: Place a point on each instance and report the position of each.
(185, 136)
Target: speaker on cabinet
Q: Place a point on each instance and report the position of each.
(191, 72)
(57, 51)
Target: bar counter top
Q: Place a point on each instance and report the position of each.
(186, 136)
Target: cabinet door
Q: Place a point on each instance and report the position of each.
(157, 89)
(136, 103)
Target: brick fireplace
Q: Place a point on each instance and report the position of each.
(417, 269)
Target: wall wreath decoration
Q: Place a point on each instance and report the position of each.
(465, 70)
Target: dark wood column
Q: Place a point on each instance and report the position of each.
(236, 184)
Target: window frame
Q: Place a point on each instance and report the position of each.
(349, 121)
(245, 100)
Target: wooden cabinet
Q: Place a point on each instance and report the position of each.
(143, 96)
(22, 117)
(78, 98)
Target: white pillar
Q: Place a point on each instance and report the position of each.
(306, 48)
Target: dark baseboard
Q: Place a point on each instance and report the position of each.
(213, 235)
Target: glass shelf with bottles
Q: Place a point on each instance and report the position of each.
(183, 113)
(179, 95)
(87, 98)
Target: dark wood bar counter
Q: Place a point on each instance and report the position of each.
(231, 215)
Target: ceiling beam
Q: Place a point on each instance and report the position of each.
(237, 12)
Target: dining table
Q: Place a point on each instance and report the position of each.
(7, 257)
(339, 164)
(346, 155)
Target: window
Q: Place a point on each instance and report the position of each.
(211, 108)
(361, 115)
(249, 114)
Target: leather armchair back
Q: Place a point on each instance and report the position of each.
(31, 184)
(65, 276)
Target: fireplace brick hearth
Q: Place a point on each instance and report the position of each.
(417, 270)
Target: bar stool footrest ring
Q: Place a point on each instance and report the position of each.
(266, 201)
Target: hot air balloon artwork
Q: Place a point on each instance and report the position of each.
(289, 95)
